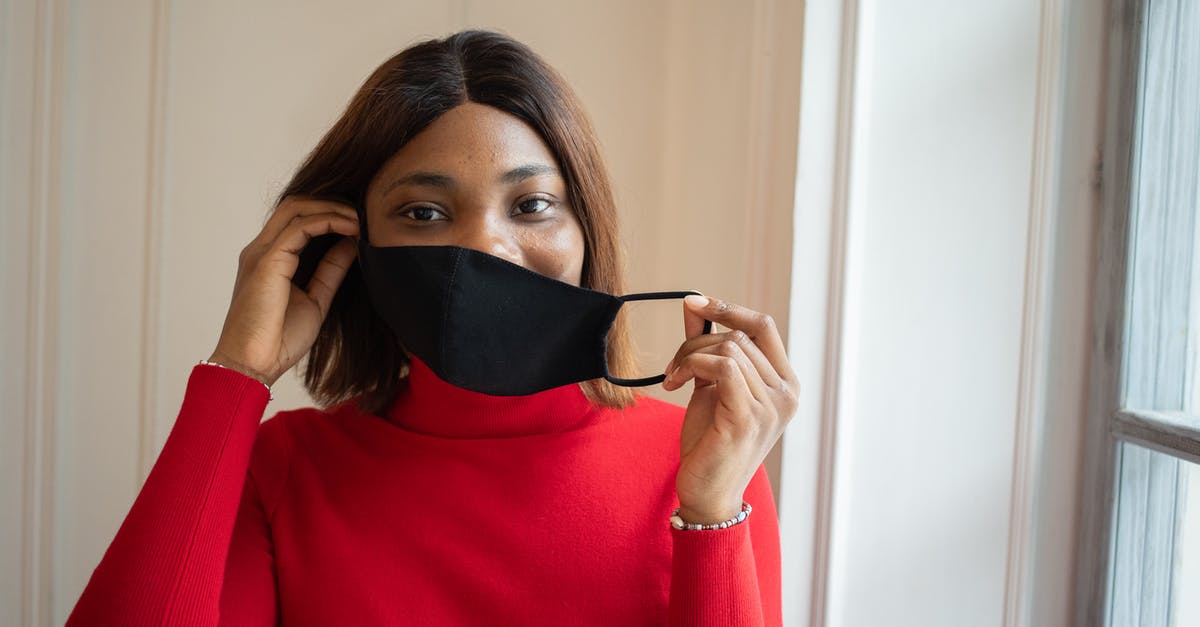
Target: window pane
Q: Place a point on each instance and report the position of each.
(1192, 378)
(1187, 606)
(1171, 538)
(1160, 355)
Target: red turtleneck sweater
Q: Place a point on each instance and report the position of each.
(456, 508)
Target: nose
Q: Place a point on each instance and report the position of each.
(493, 241)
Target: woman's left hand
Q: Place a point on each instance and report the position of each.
(745, 395)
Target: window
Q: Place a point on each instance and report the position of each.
(1140, 561)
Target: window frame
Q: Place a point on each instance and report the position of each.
(1143, 292)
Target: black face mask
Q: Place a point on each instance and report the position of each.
(488, 325)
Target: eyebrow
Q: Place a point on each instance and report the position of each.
(424, 179)
(445, 181)
(518, 174)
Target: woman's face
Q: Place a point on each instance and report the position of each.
(479, 178)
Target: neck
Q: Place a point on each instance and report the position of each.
(426, 404)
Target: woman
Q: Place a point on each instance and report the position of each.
(409, 499)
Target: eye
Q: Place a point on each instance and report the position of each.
(423, 213)
(534, 205)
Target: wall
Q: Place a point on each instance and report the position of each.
(145, 139)
(945, 235)
(933, 282)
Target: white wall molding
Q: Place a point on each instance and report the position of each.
(18, 45)
(846, 163)
(1031, 405)
(152, 278)
(41, 320)
(824, 165)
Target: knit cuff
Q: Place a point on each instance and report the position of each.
(713, 577)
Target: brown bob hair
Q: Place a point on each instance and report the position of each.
(355, 353)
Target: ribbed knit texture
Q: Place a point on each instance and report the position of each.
(455, 508)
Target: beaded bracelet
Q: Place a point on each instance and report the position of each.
(678, 522)
(270, 396)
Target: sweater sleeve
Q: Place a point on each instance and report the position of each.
(250, 595)
(166, 563)
(730, 576)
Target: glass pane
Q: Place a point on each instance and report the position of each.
(1187, 606)
(1160, 333)
(1157, 554)
(1191, 402)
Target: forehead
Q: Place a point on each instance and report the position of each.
(472, 138)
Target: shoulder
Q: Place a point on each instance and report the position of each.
(653, 417)
(651, 408)
(285, 432)
(277, 430)
(286, 428)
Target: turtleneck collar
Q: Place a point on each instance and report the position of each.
(426, 404)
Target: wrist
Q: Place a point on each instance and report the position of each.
(708, 514)
(677, 521)
(222, 359)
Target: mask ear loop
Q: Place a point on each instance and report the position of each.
(658, 378)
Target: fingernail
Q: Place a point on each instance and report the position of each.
(671, 372)
(670, 367)
(696, 301)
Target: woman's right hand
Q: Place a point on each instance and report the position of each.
(272, 323)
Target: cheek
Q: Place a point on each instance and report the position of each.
(558, 254)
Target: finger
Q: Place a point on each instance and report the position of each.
(730, 348)
(732, 391)
(761, 364)
(329, 274)
(693, 323)
(759, 326)
(739, 347)
(692, 345)
(294, 207)
(284, 255)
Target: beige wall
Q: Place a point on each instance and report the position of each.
(145, 139)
